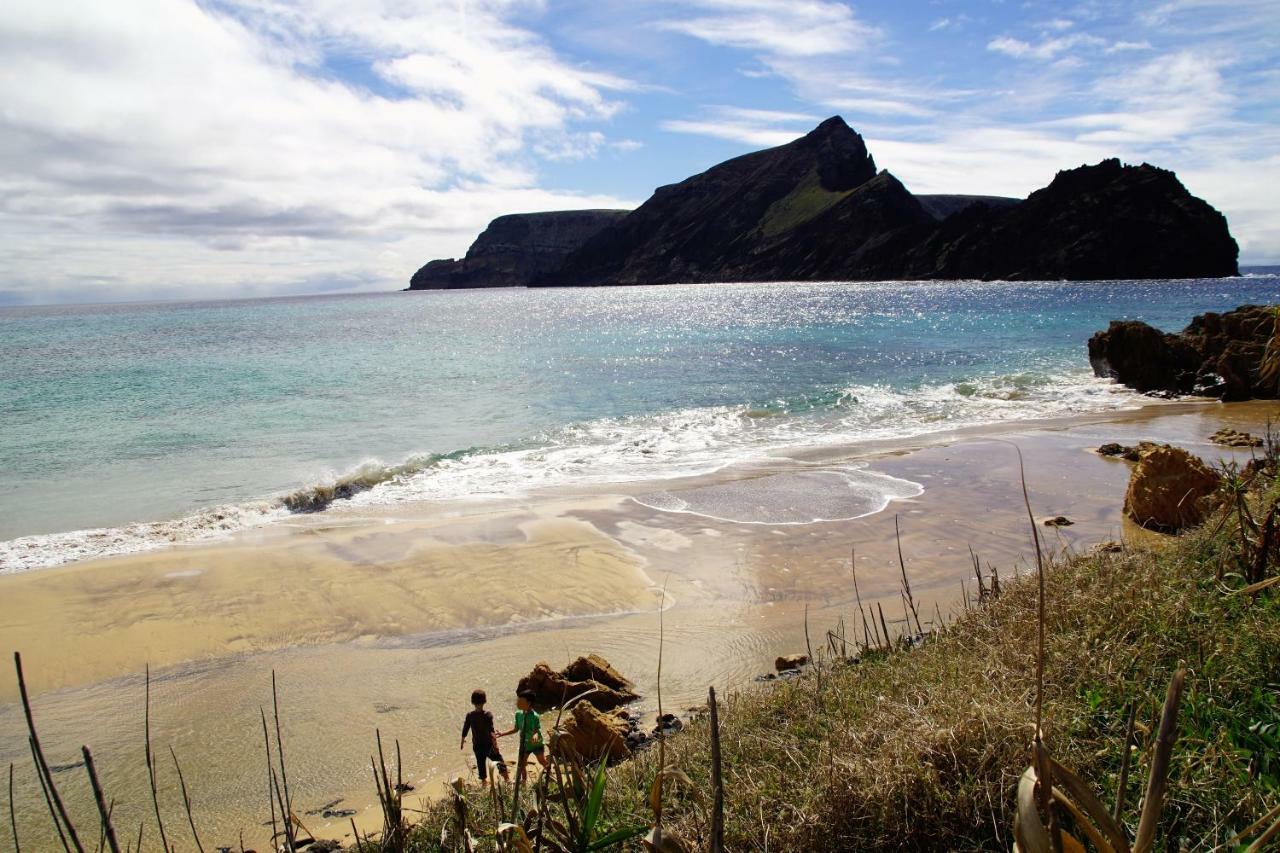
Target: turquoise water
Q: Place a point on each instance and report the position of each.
(153, 422)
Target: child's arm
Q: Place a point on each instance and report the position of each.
(466, 726)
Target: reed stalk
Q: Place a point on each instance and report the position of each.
(186, 801)
(48, 801)
(42, 766)
(271, 797)
(108, 831)
(717, 779)
(287, 802)
(885, 625)
(906, 584)
(13, 819)
(151, 761)
(1122, 785)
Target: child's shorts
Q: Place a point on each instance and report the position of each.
(483, 757)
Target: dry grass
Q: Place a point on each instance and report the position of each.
(923, 750)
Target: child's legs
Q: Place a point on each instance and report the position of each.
(482, 763)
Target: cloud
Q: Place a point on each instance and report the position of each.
(788, 28)
(760, 128)
(1046, 49)
(139, 137)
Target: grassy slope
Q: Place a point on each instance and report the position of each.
(922, 750)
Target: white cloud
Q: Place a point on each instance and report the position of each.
(785, 28)
(1122, 46)
(1046, 49)
(761, 128)
(137, 137)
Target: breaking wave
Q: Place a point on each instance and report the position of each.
(650, 447)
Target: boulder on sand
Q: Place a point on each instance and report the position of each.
(591, 675)
(1168, 489)
(593, 667)
(587, 734)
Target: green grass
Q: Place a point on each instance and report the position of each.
(923, 749)
(800, 205)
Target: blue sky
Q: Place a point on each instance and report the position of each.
(167, 148)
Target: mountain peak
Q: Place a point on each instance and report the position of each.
(834, 126)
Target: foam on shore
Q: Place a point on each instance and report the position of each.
(642, 448)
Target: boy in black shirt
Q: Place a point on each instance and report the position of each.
(480, 723)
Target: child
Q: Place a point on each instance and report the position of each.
(529, 724)
(484, 743)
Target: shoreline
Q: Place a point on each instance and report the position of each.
(383, 488)
(739, 590)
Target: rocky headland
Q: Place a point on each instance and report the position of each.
(1217, 355)
(515, 249)
(819, 209)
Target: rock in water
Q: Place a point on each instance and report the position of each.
(786, 662)
(590, 735)
(553, 689)
(515, 249)
(1168, 490)
(1234, 438)
(1217, 355)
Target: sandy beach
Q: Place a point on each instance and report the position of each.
(387, 619)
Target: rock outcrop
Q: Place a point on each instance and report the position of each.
(1106, 221)
(1169, 490)
(588, 734)
(591, 675)
(1217, 355)
(515, 249)
(1229, 437)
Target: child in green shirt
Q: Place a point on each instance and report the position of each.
(529, 724)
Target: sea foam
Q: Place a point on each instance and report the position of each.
(645, 448)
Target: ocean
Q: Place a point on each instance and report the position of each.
(126, 427)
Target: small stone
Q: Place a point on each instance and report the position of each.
(1058, 521)
(1234, 438)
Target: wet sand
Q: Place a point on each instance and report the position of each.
(387, 621)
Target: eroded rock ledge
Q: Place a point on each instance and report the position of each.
(1217, 355)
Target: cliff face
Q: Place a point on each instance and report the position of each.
(515, 249)
(1107, 221)
(712, 226)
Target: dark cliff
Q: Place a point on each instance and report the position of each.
(1107, 221)
(816, 209)
(515, 249)
(714, 226)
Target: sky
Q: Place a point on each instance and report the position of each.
(162, 149)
